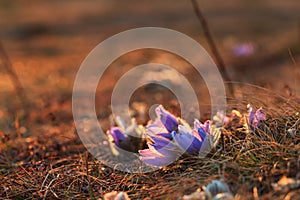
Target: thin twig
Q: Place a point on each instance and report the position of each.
(296, 68)
(48, 186)
(5, 62)
(211, 43)
(292, 57)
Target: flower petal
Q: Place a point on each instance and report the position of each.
(187, 142)
(131, 129)
(251, 115)
(157, 127)
(260, 115)
(207, 145)
(153, 158)
(168, 150)
(202, 133)
(254, 118)
(197, 124)
(117, 135)
(162, 141)
(205, 126)
(120, 123)
(158, 161)
(147, 153)
(165, 135)
(167, 119)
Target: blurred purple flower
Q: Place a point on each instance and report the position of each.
(243, 49)
(118, 136)
(170, 137)
(255, 117)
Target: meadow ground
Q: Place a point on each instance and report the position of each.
(41, 155)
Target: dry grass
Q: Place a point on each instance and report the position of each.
(54, 166)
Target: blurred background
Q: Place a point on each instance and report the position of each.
(46, 42)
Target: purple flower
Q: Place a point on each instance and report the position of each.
(161, 150)
(164, 124)
(170, 137)
(191, 140)
(255, 117)
(126, 137)
(118, 136)
(243, 50)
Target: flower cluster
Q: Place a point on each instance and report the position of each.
(255, 117)
(169, 137)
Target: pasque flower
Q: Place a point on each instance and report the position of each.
(170, 137)
(255, 117)
(162, 150)
(126, 137)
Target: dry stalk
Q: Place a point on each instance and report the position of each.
(211, 43)
(19, 89)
